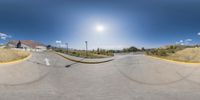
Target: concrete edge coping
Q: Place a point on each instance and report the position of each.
(174, 61)
(82, 60)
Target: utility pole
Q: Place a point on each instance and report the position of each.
(67, 47)
(86, 47)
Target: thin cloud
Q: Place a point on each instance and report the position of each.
(4, 36)
(188, 40)
(58, 42)
(180, 42)
(198, 33)
(184, 42)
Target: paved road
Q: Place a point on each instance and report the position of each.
(128, 77)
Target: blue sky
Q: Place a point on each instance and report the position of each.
(140, 23)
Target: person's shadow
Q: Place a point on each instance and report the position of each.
(67, 66)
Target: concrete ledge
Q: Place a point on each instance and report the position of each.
(174, 61)
(84, 60)
(18, 60)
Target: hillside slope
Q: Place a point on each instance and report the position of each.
(186, 55)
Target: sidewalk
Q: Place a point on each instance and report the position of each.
(85, 60)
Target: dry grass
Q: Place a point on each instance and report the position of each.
(8, 55)
(186, 55)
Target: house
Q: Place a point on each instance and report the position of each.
(27, 45)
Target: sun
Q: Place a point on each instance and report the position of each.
(100, 28)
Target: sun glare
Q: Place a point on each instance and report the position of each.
(100, 28)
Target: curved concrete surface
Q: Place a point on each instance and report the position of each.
(145, 70)
(128, 77)
(27, 71)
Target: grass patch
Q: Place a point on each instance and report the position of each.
(90, 54)
(9, 55)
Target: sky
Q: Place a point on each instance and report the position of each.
(140, 23)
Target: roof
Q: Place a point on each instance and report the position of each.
(30, 43)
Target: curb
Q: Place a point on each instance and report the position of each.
(85, 62)
(17, 61)
(174, 61)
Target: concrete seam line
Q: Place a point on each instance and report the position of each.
(18, 60)
(85, 62)
(180, 62)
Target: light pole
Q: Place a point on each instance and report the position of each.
(86, 47)
(67, 47)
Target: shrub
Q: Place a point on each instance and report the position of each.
(162, 53)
